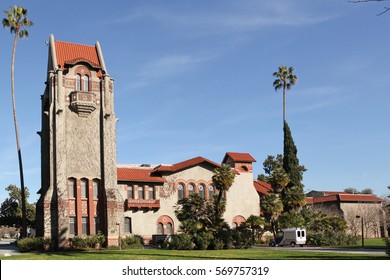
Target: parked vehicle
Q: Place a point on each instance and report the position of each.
(290, 236)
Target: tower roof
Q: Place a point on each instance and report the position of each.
(71, 53)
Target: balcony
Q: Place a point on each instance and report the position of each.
(83, 103)
(143, 203)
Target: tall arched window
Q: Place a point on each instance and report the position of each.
(168, 228)
(84, 188)
(201, 190)
(72, 188)
(180, 191)
(190, 188)
(78, 82)
(95, 189)
(211, 191)
(160, 228)
(86, 83)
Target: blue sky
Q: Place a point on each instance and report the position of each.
(194, 78)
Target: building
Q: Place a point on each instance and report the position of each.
(354, 208)
(83, 190)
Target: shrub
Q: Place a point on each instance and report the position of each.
(216, 244)
(79, 242)
(132, 242)
(30, 244)
(203, 240)
(242, 238)
(180, 242)
(387, 242)
(95, 240)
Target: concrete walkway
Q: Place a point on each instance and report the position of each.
(8, 247)
(327, 249)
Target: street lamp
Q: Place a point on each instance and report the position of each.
(119, 237)
(362, 230)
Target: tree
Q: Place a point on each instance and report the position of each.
(256, 224)
(11, 208)
(386, 9)
(17, 22)
(272, 208)
(285, 79)
(293, 194)
(223, 179)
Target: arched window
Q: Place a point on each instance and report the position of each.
(128, 228)
(180, 191)
(168, 228)
(84, 188)
(201, 189)
(190, 189)
(78, 82)
(160, 228)
(86, 83)
(95, 189)
(72, 188)
(211, 191)
(165, 225)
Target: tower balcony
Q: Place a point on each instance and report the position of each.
(83, 103)
(143, 203)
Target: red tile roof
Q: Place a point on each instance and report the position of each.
(239, 157)
(185, 164)
(71, 53)
(262, 187)
(344, 197)
(137, 175)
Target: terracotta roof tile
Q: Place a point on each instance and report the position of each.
(345, 197)
(137, 175)
(239, 157)
(262, 187)
(71, 53)
(184, 164)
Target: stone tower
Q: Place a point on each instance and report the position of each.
(78, 192)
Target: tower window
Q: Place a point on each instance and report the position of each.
(86, 83)
(78, 82)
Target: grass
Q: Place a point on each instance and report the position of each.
(369, 243)
(159, 254)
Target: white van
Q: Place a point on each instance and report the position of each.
(290, 236)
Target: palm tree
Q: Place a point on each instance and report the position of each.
(223, 179)
(17, 23)
(284, 79)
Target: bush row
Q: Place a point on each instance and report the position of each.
(223, 239)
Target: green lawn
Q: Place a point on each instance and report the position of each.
(370, 243)
(159, 254)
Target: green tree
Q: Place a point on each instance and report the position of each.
(296, 199)
(223, 179)
(11, 208)
(272, 207)
(17, 23)
(256, 224)
(285, 79)
(274, 173)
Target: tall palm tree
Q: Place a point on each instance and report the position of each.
(285, 79)
(17, 23)
(223, 179)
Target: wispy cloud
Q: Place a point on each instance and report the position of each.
(167, 66)
(231, 17)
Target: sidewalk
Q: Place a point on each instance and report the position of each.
(8, 247)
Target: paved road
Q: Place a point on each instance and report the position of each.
(8, 247)
(322, 249)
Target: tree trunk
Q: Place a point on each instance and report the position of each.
(284, 103)
(22, 189)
